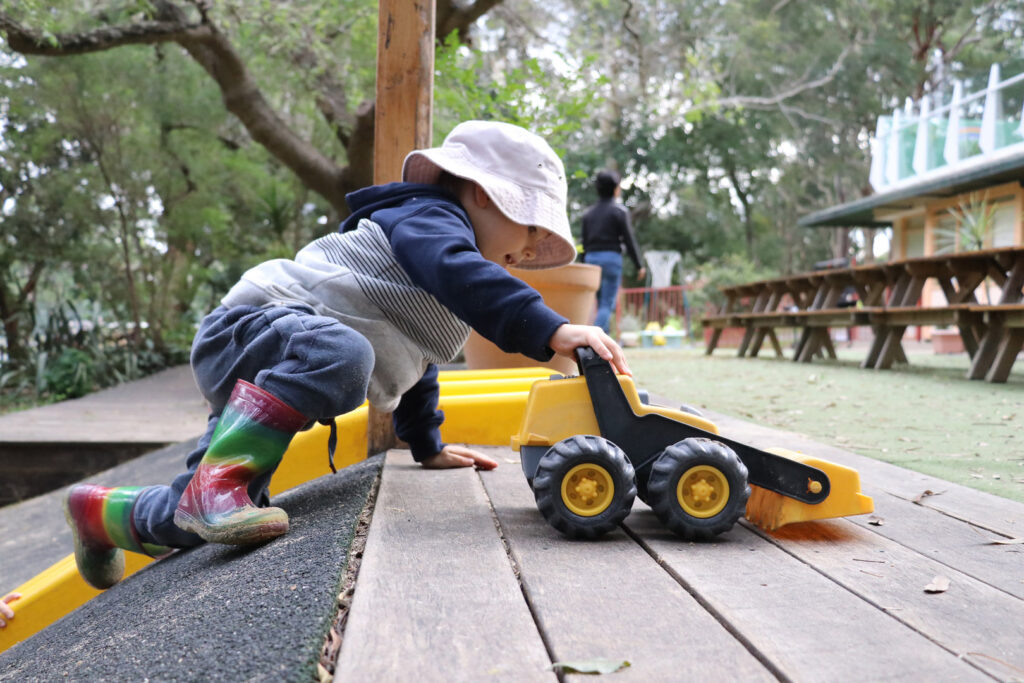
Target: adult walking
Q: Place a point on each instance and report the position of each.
(606, 229)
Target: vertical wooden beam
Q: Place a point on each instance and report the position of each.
(402, 122)
(405, 84)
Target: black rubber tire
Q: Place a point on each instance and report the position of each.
(673, 463)
(556, 464)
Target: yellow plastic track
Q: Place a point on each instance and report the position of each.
(483, 407)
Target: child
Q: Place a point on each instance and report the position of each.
(363, 313)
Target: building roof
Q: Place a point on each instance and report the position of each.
(1006, 165)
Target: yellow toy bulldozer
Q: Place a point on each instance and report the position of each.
(590, 445)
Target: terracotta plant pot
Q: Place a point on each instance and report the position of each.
(947, 341)
(570, 290)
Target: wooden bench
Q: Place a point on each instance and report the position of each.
(1003, 339)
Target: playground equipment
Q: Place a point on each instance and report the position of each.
(481, 407)
(590, 444)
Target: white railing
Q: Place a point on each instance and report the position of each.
(920, 141)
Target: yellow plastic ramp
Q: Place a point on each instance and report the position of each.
(481, 407)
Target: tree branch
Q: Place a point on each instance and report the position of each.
(754, 102)
(450, 17)
(215, 53)
(30, 42)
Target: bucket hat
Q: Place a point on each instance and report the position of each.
(519, 172)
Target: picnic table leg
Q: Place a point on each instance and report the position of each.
(1008, 350)
(713, 342)
(892, 348)
(747, 336)
(969, 339)
(987, 350)
(802, 344)
(775, 343)
(880, 333)
(758, 341)
(829, 346)
(811, 346)
(901, 357)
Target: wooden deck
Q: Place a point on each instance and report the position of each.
(463, 580)
(51, 446)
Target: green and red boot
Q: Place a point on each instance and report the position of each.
(250, 439)
(101, 523)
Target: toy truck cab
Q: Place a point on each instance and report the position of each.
(589, 445)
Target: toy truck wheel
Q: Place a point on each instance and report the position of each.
(698, 488)
(584, 486)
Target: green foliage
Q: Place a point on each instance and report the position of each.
(70, 375)
(124, 181)
(974, 224)
(534, 94)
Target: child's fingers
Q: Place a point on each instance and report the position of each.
(483, 462)
(5, 611)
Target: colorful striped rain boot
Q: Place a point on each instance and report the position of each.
(251, 437)
(101, 523)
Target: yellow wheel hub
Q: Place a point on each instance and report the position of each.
(702, 491)
(587, 490)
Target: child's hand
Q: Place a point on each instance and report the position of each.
(453, 455)
(6, 613)
(568, 337)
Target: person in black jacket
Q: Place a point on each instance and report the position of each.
(606, 228)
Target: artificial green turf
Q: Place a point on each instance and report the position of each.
(925, 416)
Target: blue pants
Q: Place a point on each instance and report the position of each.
(315, 364)
(611, 275)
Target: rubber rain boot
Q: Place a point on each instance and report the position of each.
(101, 524)
(251, 437)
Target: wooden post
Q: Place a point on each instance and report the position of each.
(402, 122)
(405, 84)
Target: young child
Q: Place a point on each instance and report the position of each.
(363, 313)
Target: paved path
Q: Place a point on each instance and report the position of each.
(162, 408)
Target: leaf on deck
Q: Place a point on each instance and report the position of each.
(591, 666)
(925, 494)
(940, 584)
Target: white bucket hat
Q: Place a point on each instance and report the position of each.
(519, 172)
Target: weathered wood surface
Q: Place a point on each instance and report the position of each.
(464, 580)
(163, 408)
(436, 598)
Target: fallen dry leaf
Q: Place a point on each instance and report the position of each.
(591, 666)
(875, 521)
(926, 493)
(940, 584)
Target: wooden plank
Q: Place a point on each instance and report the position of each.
(609, 599)
(986, 511)
(436, 596)
(982, 625)
(950, 541)
(801, 621)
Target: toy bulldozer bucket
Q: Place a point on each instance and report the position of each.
(770, 510)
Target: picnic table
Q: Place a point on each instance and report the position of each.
(461, 579)
(990, 320)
